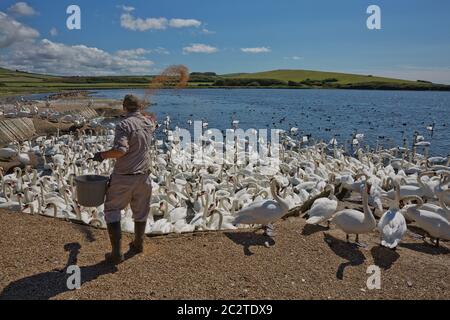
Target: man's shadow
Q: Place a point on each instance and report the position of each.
(249, 239)
(46, 285)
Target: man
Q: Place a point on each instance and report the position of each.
(130, 183)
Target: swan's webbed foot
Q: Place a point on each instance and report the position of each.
(437, 243)
(360, 244)
(268, 230)
(347, 238)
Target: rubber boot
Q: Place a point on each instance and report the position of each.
(115, 236)
(137, 246)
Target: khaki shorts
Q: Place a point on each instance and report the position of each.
(123, 190)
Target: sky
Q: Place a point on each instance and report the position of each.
(145, 36)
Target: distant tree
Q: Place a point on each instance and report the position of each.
(424, 81)
(208, 74)
(219, 83)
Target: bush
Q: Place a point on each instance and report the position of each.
(208, 74)
(309, 82)
(234, 82)
(424, 81)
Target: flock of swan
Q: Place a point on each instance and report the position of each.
(191, 196)
(30, 111)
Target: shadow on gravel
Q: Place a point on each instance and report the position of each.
(384, 257)
(347, 251)
(249, 239)
(46, 285)
(310, 229)
(86, 231)
(426, 247)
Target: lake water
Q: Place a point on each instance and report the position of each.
(386, 116)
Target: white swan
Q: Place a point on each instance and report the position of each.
(356, 222)
(392, 225)
(264, 212)
(323, 209)
(435, 225)
(13, 205)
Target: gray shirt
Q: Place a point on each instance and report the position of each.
(133, 136)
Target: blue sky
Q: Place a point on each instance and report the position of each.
(414, 42)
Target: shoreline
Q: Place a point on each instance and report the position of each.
(94, 88)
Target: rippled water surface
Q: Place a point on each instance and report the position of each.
(386, 116)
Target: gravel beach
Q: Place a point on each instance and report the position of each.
(304, 262)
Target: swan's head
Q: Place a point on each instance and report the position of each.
(364, 188)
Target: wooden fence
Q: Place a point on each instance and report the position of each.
(19, 129)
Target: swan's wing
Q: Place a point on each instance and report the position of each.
(258, 213)
(178, 214)
(322, 210)
(392, 226)
(348, 217)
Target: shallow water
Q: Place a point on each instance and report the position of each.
(386, 116)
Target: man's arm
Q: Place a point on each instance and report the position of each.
(112, 154)
(120, 147)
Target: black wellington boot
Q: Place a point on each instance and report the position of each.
(115, 236)
(137, 246)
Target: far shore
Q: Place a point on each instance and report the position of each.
(5, 95)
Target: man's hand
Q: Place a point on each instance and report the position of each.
(150, 116)
(97, 157)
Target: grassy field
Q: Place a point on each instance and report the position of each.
(302, 75)
(17, 82)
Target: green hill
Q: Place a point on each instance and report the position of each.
(19, 82)
(325, 80)
(302, 75)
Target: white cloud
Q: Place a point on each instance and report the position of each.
(140, 52)
(132, 53)
(128, 21)
(160, 50)
(53, 32)
(126, 8)
(45, 56)
(256, 50)
(21, 9)
(294, 58)
(137, 24)
(12, 31)
(199, 48)
(206, 31)
(184, 23)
